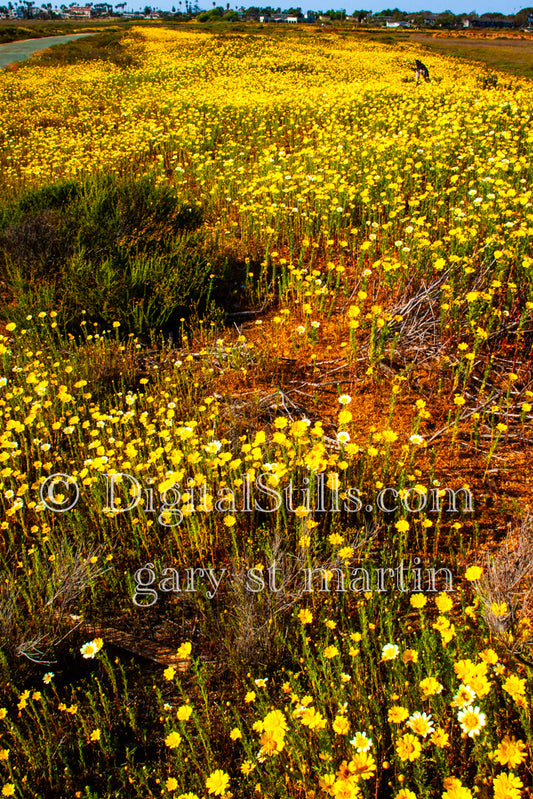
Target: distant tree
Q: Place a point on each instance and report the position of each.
(339, 15)
(524, 18)
(208, 16)
(448, 19)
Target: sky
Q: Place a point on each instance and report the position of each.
(456, 6)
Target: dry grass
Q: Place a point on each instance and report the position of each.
(506, 589)
(509, 55)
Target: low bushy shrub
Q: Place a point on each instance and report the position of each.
(107, 249)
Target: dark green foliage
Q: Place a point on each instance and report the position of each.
(15, 33)
(107, 249)
(218, 15)
(106, 46)
(56, 195)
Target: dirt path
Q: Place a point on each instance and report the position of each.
(512, 54)
(463, 41)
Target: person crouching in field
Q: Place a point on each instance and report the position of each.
(421, 71)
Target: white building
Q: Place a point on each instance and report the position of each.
(79, 12)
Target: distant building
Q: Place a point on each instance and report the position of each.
(393, 23)
(79, 12)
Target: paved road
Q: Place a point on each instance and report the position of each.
(18, 51)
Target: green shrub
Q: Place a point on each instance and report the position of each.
(107, 249)
(106, 46)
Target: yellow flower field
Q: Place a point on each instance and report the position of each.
(270, 539)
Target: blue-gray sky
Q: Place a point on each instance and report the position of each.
(456, 6)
